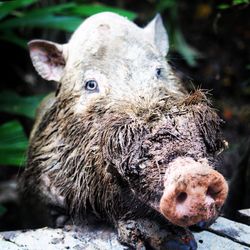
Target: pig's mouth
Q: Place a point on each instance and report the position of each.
(194, 195)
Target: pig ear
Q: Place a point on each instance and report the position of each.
(157, 32)
(48, 58)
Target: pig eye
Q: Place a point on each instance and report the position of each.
(91, 85)
(158, 72)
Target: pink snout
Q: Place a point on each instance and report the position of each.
(193, 192)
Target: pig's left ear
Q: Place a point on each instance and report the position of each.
(157, 33)
(48, 58)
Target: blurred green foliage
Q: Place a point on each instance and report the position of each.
(13, 141)
(13, 144)
(66, 17)
(2, 210)
(176, 37)
(234, 3)
(11, 102)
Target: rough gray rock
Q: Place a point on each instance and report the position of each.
(223, 235)
(236, 231)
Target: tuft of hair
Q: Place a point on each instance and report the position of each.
(196, 97)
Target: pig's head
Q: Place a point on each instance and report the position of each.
(123, 116)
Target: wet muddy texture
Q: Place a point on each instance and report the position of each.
(110, 153)
(145, 234)
(111, 160)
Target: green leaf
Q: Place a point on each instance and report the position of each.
(237, 2)
(166, 4)
(12, 103)
(66, 23)
(234, 3)
(223, 6)
(189, 53)
(2, 210)
(60, 8)
(91, 9)
(7, 7)
(13, 144)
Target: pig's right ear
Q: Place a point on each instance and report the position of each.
(156, 31)
(48, 58)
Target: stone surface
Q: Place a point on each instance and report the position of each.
(52, 239)
(210, 241)
(245, 212)
(237, 231)
(222, 235)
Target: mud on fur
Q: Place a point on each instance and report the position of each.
(121, 138)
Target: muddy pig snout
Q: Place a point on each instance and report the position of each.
(193, 192)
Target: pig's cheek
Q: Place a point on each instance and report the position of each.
(80, 106)
(84, 102)
(155, 205)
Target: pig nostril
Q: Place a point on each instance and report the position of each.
(212, 192)
(181, 197)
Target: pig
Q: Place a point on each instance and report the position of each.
(121, 139)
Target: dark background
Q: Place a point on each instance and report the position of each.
(209, 48)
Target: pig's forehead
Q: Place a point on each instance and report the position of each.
(111, 36)
(109, 23)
